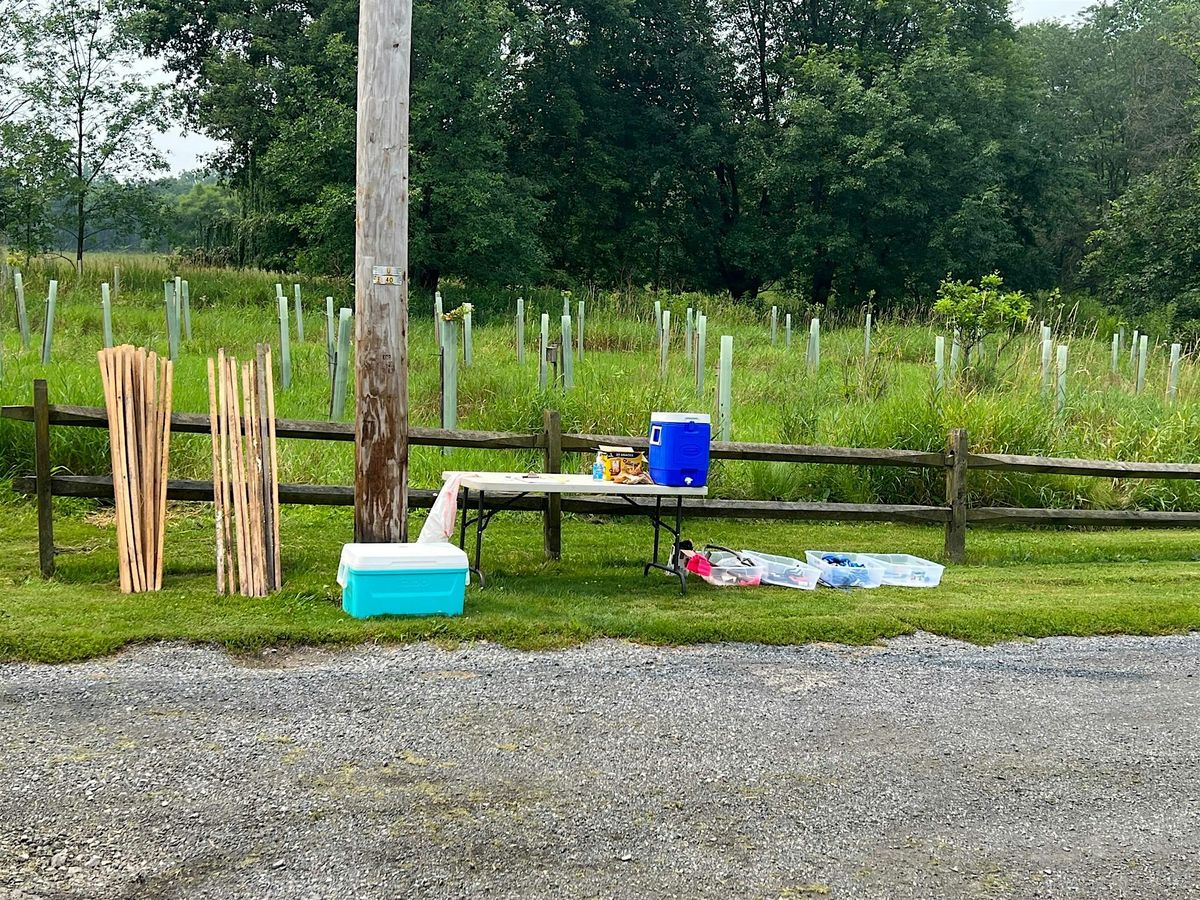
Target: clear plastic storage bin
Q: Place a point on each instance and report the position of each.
(868, 573)
(783, 571)
(904, 570)
(728, 570)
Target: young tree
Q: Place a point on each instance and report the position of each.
(976, 312)
(84, 88)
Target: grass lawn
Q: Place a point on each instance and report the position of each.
(1019, 584)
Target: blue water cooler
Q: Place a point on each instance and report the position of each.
(679, 448)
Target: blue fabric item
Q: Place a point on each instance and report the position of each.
(845, 573)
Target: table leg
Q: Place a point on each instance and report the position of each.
(466, 505)
(479, 526)
(676, 558)
(657, 524)
(673, 564)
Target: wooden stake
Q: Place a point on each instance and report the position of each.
(150, 430)
(108, 377)
(268, 523)
(278, 555)
(253, 478)
(239, 479)
(168, 382)
(128, 496)
(218, 486)
(227, 526)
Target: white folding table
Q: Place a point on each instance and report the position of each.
(515, 485)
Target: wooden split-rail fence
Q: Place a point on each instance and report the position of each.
(955, 462)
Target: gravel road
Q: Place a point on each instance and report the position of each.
(919, 768)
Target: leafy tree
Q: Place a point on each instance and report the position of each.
(278, 85)
(30, 180)
(11, 99)
(617, 119)
(1145, 255)
(1117, 102)
(977, 312)
(84, 90)
(834, 148)
(203, 221)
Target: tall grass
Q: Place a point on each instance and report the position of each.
(887, 401)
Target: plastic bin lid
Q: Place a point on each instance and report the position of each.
(671, 418)
(381, 557)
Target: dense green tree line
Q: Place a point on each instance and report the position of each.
(841, 150)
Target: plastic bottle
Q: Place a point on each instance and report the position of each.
(598, 468)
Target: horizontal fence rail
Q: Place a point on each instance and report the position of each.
(956, 461)
(100, 487)
(1101, 468)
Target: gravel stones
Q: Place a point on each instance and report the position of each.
(917, 768)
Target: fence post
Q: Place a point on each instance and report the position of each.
(774, 324)
(552, 518)
(787, 332)
(867, 338)
(956, 495)
(41, 461)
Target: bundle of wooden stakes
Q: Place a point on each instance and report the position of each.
(137, 397)
(245, 474)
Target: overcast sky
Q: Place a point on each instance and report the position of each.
(187, 151)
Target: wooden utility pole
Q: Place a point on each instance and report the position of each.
(381, 272)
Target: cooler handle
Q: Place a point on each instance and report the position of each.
(656, 435)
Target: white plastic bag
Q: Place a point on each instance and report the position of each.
(440, 525)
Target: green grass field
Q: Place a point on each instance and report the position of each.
(1019, 583)
(888, 402)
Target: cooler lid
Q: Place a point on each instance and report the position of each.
(672, 418)
(382, 557)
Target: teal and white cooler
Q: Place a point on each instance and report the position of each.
(402, 579)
